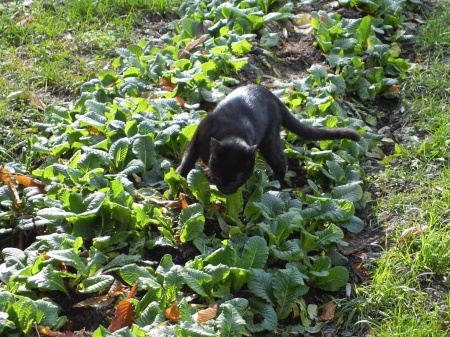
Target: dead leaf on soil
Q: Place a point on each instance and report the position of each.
(411, 232)
(124, 316)
(206, 314)
(172, 313)
(115, 290)
(36, 100)
(328, 312)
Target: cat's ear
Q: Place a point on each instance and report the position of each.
(252, 149)
(214, 146)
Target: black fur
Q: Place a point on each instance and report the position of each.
(246, 120)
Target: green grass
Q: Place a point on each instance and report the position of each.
(53, 47)
(408, 294)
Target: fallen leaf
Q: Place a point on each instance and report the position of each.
(328, 312)
(29, 182)
(47, 332)
(5, 176)
(115, 290)
(95, 132)
(181, 102)
(26, 20)
(192, 45)
(173, 313)
(184, 203)
(207, 314)
(95, 302)
(395, 89)
(166, 84)
(420, 58)
(410, 232)
(124, 316)
(36, 100)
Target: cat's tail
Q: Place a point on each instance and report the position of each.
(309, 132)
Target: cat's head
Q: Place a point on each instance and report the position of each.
(231, 163)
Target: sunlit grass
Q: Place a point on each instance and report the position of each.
(408, 293)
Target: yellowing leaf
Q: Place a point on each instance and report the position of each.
(173, 313)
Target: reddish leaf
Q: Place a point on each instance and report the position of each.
(124, 312)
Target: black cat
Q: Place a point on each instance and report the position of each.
(248, 119)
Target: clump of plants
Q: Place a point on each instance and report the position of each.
(97, 182)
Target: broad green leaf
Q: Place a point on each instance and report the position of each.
(199, 185)
(131, 273)
(287, 285)
(25, 310)
(46, 313)
(198, 281)
(119, 151)
(269, 321)
(351, 192)
(336, 278)
(95, 284)
(255, 253)
(230, 322)
(364, 31)
(192, 222)
(260, 284)
(354, 225)
(48, 279)
(144, 149)
(70, 257)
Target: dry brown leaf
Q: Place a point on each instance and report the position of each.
(166, 84)
(29, 182)
(95, 132)
(47, 332)
(116, 289)
(411, 232)
(95, 302)
(206, 314)
(181, 102)
(420, 58)
(395, 89)
(124, 312)
(184, 203)
(192, 45)
(35, 99)
(173, 313)
(27, 20)
(5, 176)
(328, 312)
